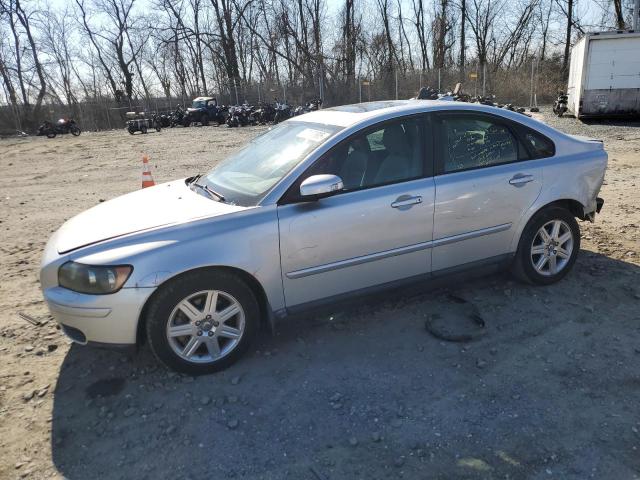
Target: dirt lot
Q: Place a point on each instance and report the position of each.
(552, 390)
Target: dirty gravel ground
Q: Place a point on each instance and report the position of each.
(552, 390)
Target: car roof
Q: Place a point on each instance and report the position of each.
(360, 115)
(369, 112)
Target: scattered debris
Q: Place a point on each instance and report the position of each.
(29, 318)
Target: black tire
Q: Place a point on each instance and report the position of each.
(75, 130)
(143, 129)
(131, 131)
(523, 267)
(165, 300)
(51, 134)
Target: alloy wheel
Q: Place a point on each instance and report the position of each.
(552, 247)
(205, 326)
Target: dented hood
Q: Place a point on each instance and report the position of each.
(162, 205)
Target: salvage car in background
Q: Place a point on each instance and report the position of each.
(204, 110)
(331, 204)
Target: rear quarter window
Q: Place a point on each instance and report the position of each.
(538, 145)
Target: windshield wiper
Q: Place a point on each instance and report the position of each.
(195, 178)
(209, 190)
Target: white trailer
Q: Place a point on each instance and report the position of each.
(604, 75)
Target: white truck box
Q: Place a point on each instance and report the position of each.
(604, 75)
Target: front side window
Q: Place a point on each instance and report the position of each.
(380, 155)
(474, 142)
(247, 175)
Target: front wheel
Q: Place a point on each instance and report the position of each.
(75, 130)
(202, 322)
(548, 247)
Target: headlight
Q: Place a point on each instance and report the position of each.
(96, 280)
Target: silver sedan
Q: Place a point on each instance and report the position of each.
(335, 203)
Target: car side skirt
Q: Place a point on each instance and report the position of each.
(411, 285)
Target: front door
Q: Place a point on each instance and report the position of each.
(378, 230)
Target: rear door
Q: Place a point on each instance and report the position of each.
(485, 181)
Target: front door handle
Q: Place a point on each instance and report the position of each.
(520, 179)
(406, 201)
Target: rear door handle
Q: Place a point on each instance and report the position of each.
(406, 200)
(520, 179)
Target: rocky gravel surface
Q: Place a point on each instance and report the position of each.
(550, 389)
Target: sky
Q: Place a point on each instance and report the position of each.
(589, 10)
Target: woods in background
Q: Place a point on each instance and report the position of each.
(122, 53)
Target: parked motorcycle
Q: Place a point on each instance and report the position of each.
(283, 112)
(311, 106)
(560, 105)
(63, 126)
(265, 113)
(427, 93)
(163, 119)
(239, 116)
(177, 117)
(487, 100)
(222, 114)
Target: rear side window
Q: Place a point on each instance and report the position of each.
(538, 145)
(472, 141)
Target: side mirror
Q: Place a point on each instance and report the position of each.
(320, 186)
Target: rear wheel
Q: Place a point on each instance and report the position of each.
(548, 247)
(203, 322)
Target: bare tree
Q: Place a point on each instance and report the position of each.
(419, 22)
(442, 27)
(19, 19)
(567, 41)
(463, 19)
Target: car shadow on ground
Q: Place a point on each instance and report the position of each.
(550, 389)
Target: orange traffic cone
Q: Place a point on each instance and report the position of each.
(147, 179)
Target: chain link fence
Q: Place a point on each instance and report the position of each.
(528, 85)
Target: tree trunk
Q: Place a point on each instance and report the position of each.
(567, 45)
(463, 18)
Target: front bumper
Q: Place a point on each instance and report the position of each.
(103, 319)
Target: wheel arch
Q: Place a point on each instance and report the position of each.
(266, 312)
(575, 207)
